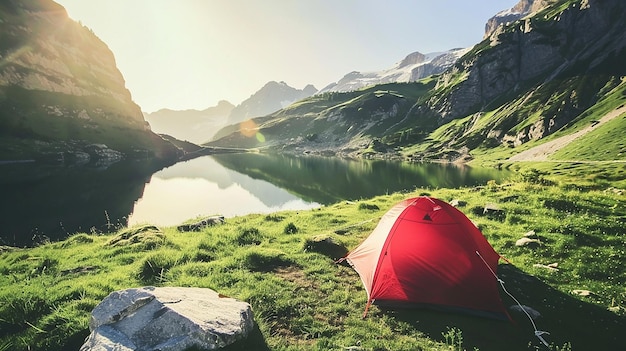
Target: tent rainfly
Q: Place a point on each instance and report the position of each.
(426, 253)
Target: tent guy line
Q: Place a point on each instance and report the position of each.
(538, 333)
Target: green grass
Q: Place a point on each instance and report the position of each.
(283, 265)
(605, 143)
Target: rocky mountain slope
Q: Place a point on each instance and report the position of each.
(557, 70)
(537, 75)
(192, 125)
(520, 10)
(272, 97)
(413, 67)
(60, 91)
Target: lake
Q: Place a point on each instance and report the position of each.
(49, 203)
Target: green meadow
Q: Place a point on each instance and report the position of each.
(283, 264)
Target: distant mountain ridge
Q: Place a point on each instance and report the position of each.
(192, 125)
(413, 67)
(201, 126)
(272, 97)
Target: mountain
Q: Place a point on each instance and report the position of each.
(61, 94)
(270, 98)
(554, 72)
(412, 68)
(521, 9)
(191, 125)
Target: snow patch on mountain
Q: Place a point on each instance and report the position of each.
(413, 67)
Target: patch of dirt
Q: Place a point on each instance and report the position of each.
(295, 275)
(545, 150)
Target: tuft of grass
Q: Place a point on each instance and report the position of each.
(368, 207)
(290, 228)
(264, 259)
(249, 236)
(146, 237)
(155, 266)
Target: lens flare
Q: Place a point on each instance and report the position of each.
(248, 128)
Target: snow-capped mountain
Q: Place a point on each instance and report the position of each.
(413, 67)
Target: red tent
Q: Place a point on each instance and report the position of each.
(425, 252)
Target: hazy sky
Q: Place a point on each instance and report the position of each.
(189, 54)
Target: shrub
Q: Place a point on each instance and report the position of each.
(290, 228)
(274, 218)
(249, 236)
(535, 176)
(370, 207)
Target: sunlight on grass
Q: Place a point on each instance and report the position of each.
(283, 264)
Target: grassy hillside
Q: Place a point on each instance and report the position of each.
(328, 120)
(302, 300)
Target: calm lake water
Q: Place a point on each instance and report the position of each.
(51, 203)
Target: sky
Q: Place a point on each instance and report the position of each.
(190, 54)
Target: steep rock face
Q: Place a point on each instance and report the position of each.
(59, 83)
(520, 10)
(413, 67)
(270, 98)
(583, 36)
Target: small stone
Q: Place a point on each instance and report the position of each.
(199, 225)
(530, 234)
(527, 242)
(583, 293)
(458, 203)
(491, 207)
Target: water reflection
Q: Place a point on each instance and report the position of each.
(51, 202)
(56, 202)
(328, 180)
(201, 187)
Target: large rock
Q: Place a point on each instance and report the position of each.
(167, 319)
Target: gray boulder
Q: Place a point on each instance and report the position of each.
(201, 224)
(167, 319)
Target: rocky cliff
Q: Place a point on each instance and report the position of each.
(583, 38)
(520, 10)
(60, 89)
